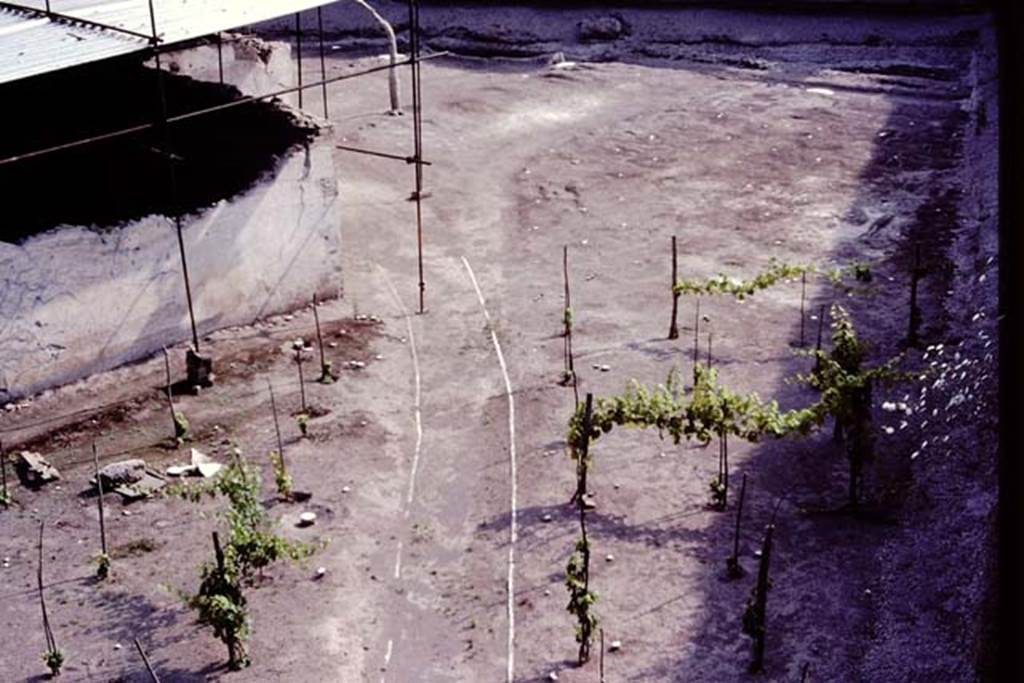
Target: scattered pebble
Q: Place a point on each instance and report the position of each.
(546, 518)
(307, 518)
(609, 558)
(345, 489)
(553, 676)
(126, 513)
(615, 646)
(117, 646)
(320, 571)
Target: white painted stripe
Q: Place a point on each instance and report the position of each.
(416, 376)
(398, 561)
(387, 657)
(513, 531)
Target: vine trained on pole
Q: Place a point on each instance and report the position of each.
(577, 571)
(846, 388)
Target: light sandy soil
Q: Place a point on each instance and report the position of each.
(610, 159)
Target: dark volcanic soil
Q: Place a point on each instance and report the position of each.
(807, 160)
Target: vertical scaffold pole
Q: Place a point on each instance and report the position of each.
(417, 131)
(175, 208)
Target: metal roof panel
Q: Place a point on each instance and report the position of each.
(32, 44)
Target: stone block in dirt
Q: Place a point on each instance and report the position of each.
(34, 470)
(130, 478)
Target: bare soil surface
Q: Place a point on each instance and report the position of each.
(409, 467)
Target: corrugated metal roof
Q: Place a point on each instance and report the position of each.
(31, 44)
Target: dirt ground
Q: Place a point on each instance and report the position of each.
(409, 468)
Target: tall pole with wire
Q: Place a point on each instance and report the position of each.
(417, 132)
(172, 173)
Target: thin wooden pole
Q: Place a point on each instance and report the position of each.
(673, 329)
(761, 602)
(602, 656)
(99, 499)
(319, 336)
(817, 346)
(3, 474)
(696, 338)
(277, 425)
(570, 365)
(709, 350)
(325, 372)
(725, 469)
(733, 563)
(302, 383)
(803, 297)
(145, 660)
(581, 483)
(167, 389)
(218, 553)
(51, 643)
(584, 653)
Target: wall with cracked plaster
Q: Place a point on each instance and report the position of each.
(75, 301)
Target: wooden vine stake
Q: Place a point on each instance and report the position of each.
(103, 562)
(803, 298)
(722, 493)
(145, 660)
(302, 384)
(53, 657)
(569, 369)
(601, 668)
(277, 426)
(696, 340)
(914, 322)
(578, 569)
(5, 495)
(673, 329)
(754, 620)
(326, 377)
(733, 568)
(817, 347)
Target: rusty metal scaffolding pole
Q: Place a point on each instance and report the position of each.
(220, 58)
(173, 175)
(241, 101)
(323, 63)
(417, 132)
(298, 53)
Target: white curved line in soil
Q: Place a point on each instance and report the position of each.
(387, 656)
(416, 406)
(513, 531)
